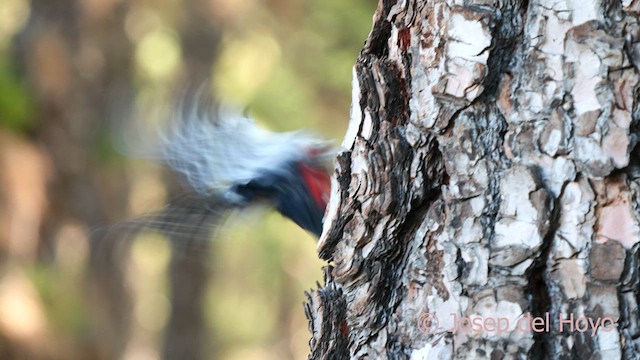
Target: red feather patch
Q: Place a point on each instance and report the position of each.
(318, 183)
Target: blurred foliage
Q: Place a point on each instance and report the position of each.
(293, 64)
(15, 104)
(61, 299)
(289, 63)
(158, 55)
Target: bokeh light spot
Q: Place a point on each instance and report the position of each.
(245, 65)
(158, 54)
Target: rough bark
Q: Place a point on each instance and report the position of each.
(490, 171)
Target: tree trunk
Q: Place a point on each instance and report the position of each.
(187, 336)
(487, 197)
(77, 60)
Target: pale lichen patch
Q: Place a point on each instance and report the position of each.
(571, 275)
(518, 223)
(609, 344)
(466, 56)
(576, 219)
(616, 223)
(355, 116)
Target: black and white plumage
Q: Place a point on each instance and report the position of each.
(224, 155)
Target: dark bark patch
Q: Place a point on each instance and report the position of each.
(326, 311)
(507, 27)
(607, 261)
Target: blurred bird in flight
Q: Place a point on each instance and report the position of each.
(227, 162)
(224, 156)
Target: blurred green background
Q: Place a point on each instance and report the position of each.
(68, 68)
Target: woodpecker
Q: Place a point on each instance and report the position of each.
(223, 154)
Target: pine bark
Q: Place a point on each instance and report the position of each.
(490, 170)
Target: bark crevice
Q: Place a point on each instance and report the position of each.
(537, 289)
(510, 119)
